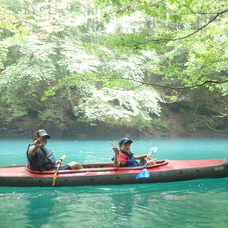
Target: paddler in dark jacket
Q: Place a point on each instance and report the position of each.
(40, 158)
(124, 157)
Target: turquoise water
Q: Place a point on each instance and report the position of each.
(197, 203)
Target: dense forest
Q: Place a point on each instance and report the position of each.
(104, 68)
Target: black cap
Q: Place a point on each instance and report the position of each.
(43, 133)
(124, 141)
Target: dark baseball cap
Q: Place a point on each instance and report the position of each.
(42, 133)
(124, 141)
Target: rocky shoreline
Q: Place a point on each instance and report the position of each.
(24, 128)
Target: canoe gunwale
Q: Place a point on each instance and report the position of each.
(161, 163)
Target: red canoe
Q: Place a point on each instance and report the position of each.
(106, 174)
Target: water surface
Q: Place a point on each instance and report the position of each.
(197, 203)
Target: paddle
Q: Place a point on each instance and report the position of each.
(54, 178)
(145, 173)
(153, 151)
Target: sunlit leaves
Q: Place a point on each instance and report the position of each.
(190, 53)
(115, 106)
(98, 66)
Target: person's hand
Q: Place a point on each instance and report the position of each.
(115, 148)
(39, 142)
(58, 162)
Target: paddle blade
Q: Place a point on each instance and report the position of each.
(153, 150)
(63, 157)
(143, 174)
(54, 178)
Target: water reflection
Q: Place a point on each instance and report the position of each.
(122, 206)
(39, 208)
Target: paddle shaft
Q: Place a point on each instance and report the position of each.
(57, 168)
(54, 178)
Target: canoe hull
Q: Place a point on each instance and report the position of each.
(166, 173)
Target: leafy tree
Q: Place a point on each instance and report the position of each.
(117, 61)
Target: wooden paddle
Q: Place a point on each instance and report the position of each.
(54, 178)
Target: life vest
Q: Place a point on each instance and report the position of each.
(42, 160)
(131, 162)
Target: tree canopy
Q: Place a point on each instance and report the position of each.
(115, 61)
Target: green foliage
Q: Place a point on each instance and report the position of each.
(190, 54)
(104, 58)
(8, 21)
(9, 27)
(50, 115)
(118, 106)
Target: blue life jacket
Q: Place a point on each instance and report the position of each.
(42, 160)
(131, 162)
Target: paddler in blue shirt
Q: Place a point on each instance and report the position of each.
(40, 158)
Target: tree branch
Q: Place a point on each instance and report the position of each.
(190, 34)
(182, 87)
(222, 115)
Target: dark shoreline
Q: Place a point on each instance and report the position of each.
(171, 128)
(116, 134)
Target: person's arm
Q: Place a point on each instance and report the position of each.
(141, 156)
(33, 148)
(116, 160)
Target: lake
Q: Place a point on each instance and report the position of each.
(197, 203)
